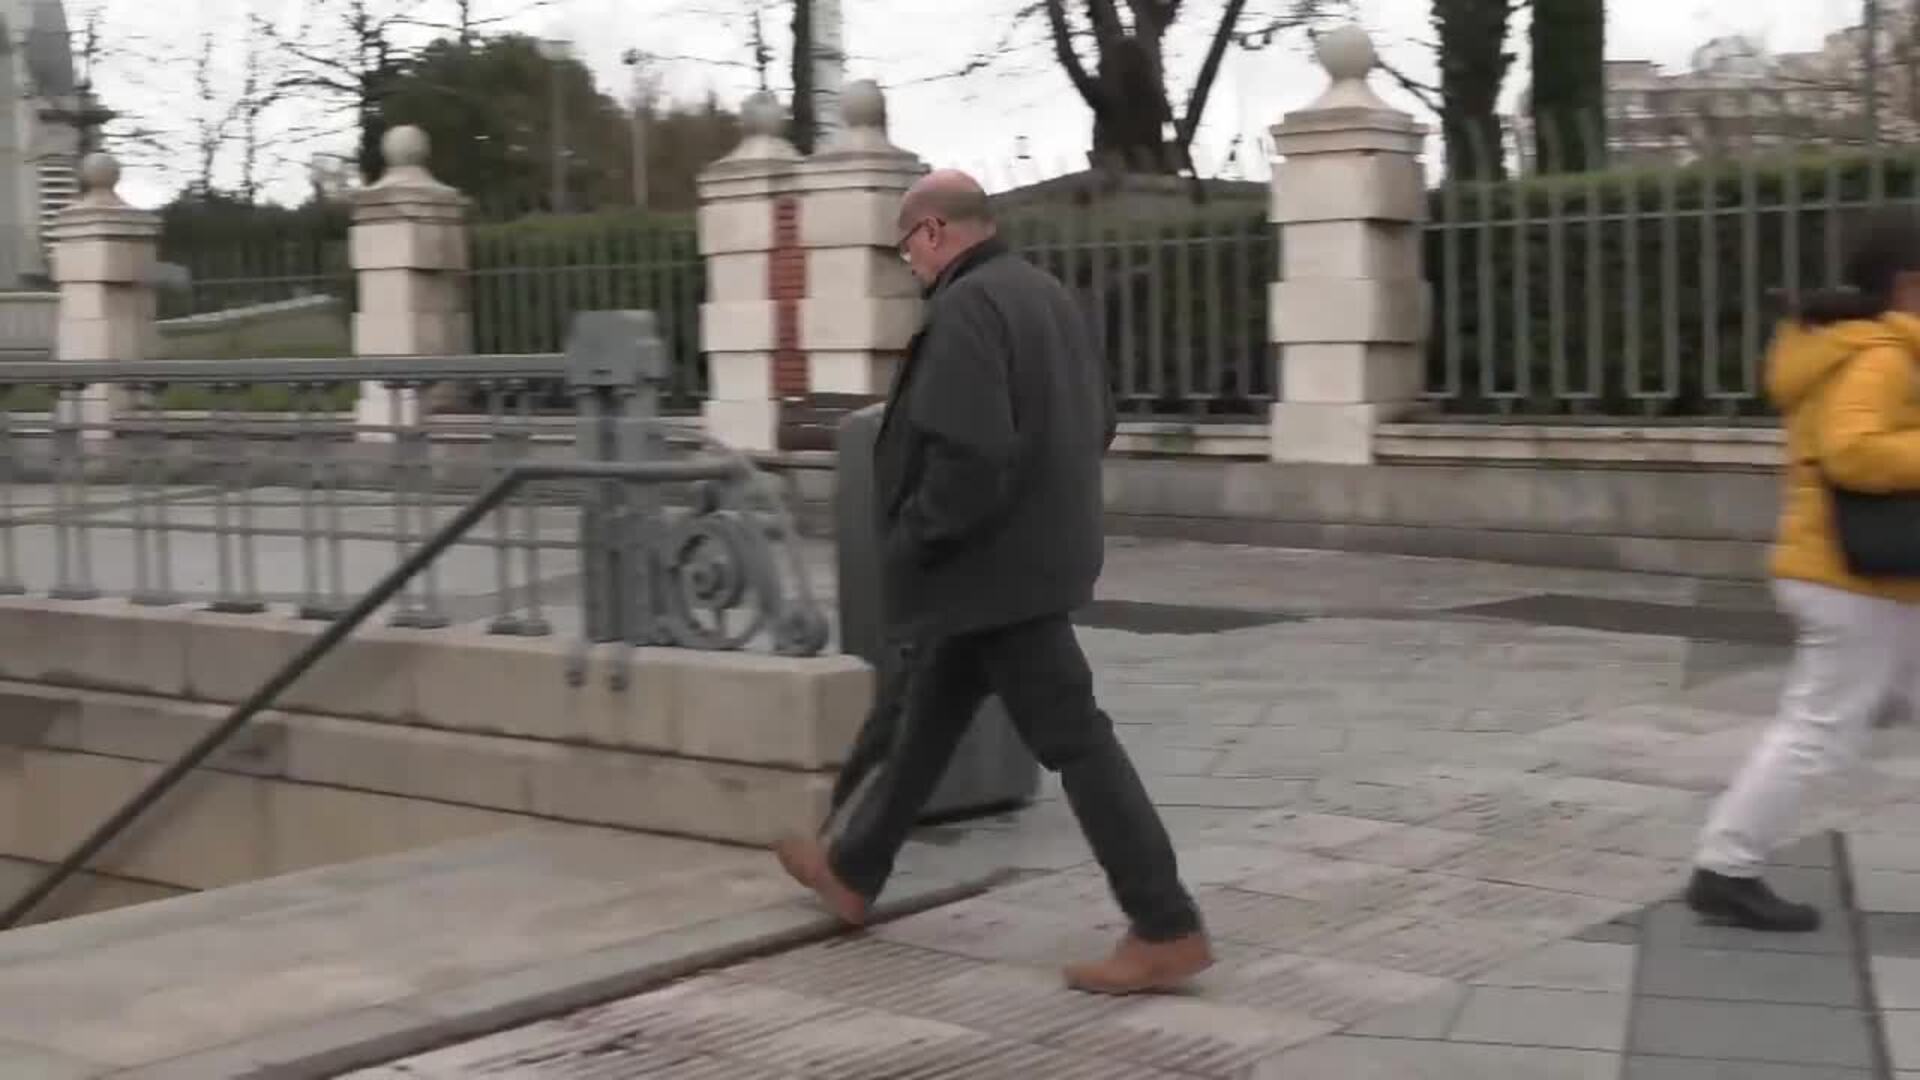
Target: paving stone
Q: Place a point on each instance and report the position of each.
(1902, 1031)
(1896, 982)
(1666, 1068)
(1410, 847)
(1349, 1057)
(1893, 933)
(559, 1059)
(866, 1044)
(1570, 1019)
(1887, 890)
(1610, 933)
(1004, 999)
(1225, 864)
(1341, 882)
(1385, 802)
(1318, 987)
(1568, 965)
(1186, 1035)
(1627, 878)
(1722, 975)
(1304, 830)
(1814, 852)
(1652, 838)
(1673, 925)
(1218, 793)
(1276, 923)
(19, 1062)
(1509, 818)
(1510, 907)
(1747, 1031)
(1817, 886)
(1429, 1018)
(988, 930)
(1429, 947)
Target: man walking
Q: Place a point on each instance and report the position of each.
(987, 473)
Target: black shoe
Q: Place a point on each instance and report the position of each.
(1747, 903)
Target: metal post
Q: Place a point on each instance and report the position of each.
(643, 90)
(615, 360)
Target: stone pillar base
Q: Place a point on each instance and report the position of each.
(1328, 434)
(744, 425)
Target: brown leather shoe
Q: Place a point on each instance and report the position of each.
(805, 860)
(1144, 967)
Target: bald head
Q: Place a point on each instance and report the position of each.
(942, 217)
(950, 195)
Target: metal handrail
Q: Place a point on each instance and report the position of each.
(452, 368)
(714, 468)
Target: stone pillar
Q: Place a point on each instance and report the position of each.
(104, 253)
(862, 304)
(1350, 312)
(408, 246)
(749, 231)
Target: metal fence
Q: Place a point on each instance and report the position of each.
(528, 279)
(165, 482)
(1646, 291)
(1177, 292)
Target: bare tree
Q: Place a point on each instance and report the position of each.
(1116, 58)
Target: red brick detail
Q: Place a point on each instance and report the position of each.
(787, 286)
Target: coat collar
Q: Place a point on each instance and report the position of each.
(969, 260)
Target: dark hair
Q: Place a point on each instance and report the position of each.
(1885, 245)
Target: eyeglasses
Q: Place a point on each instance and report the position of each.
(901, 247)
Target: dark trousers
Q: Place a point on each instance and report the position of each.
(928, 695)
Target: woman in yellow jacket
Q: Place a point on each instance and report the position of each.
(1845, 374)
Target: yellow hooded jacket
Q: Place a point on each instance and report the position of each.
(1850, 397)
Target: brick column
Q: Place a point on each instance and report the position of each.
(756, 278)
(1351, 309)
(862, 305)
(408, 245)
(103, 263)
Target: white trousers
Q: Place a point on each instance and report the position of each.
(1850, 653)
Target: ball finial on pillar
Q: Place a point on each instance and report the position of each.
(862, 105)
(763, 127)
(405, 149)
(763, 115)
(1348, 56)
(863, 123)
(100, 180)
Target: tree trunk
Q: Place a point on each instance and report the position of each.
(1130, 133)
(1473, 66)
(806, 125)
(1569, 84)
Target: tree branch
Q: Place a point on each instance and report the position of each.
(1428, 96)
(1209, 71)
(1070, 60)
(1106, 20)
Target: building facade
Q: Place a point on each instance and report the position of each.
(1736, 98)
(51, 124)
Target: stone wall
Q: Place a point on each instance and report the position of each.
(398, 739)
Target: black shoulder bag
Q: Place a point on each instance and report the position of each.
(1879, 534)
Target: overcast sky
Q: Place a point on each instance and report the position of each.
(1016, 120)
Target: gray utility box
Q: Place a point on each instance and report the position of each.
(992, 769)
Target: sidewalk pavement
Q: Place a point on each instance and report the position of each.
(1432, 810)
